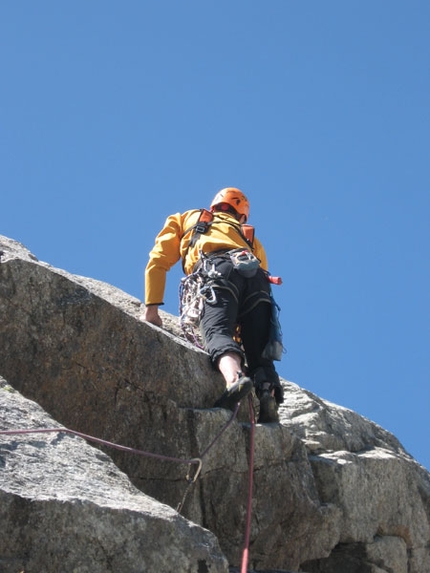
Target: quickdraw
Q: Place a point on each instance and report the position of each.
(194, 290)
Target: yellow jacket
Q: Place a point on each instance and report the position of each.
(172, 244)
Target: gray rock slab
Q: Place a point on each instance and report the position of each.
(65, 506)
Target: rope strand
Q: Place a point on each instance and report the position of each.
(198, 461)
(245, 554)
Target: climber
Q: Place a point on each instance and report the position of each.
(220, 246)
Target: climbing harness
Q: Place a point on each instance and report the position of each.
(244, 262)
(204, 222)
(206, 219)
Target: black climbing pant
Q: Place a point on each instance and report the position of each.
(244, 302)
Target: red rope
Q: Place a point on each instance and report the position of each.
(197, 461)
(245, 555)
(173, 459)
(100, 441)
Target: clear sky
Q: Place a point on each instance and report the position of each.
(115, 114)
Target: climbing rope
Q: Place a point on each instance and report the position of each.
(223, 429)
(245, 553)
(88, 438)
(191, 479)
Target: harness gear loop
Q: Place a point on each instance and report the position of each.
(194, 289)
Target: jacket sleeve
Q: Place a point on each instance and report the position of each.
(165, 253)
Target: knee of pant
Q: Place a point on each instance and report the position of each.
(216, 353)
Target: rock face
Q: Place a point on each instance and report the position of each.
(333, 492)
(65, 506)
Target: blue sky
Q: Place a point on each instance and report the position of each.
(115, 114)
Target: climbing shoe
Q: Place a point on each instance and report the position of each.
(231, 396)
(268, 408)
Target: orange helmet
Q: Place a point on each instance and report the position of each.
(233, 197)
